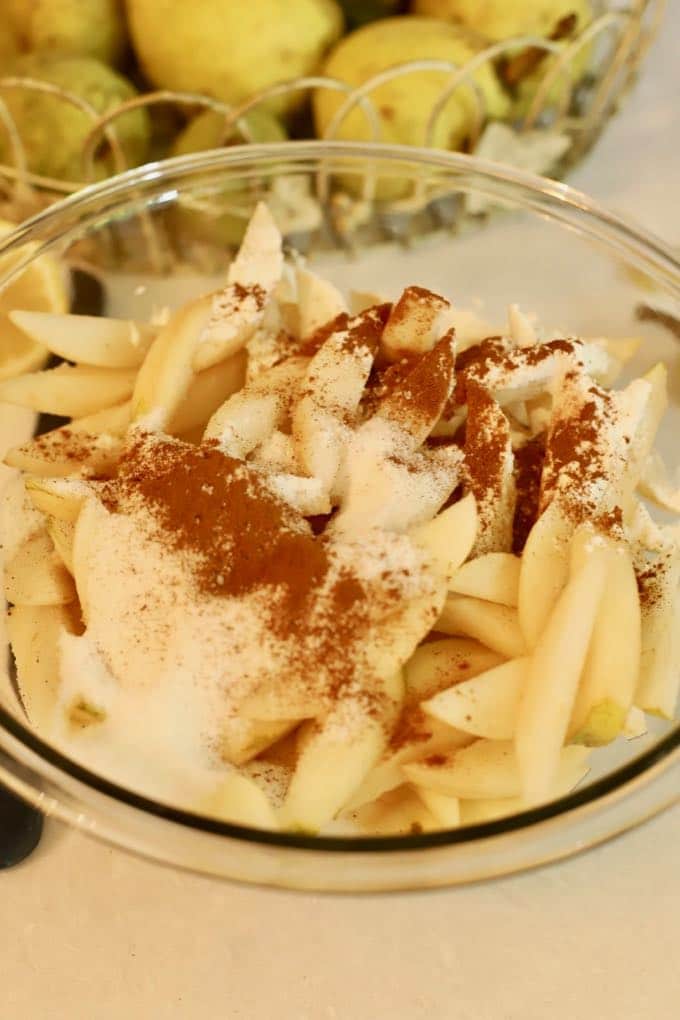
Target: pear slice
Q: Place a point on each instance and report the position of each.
(496, 626)
(61, 498)
(612, 667)
(62, 534)
(657, 691)
(69, 390)
(437, 665)
(414, 323)
(449, 537)
(573, 767)
(418, 737)
(319, 302)
(544, 571)
(166, 374)
(399, 812)
(89, 339)
(36, 576)
(493, 577)
(250, 416)
(207, 392)
(486, 768)
(34, 634)
(555, 669)
(235, 313)
(113, 421)
(485, 705)
(239, 800)
(244, 739)
(335, 755)
(444, 809)
(63, 452)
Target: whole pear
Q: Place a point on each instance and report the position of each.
(497, 20)
(232, 48)
(85, 28)
(503, 19)
(404, 104)
(218, 226)
(53, 131)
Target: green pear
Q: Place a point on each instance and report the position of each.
(232, 48)
(53, 131)
(206, 131)
(84, 28)
(498, 20)
(404, 104)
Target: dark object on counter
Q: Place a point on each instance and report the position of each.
(20, 829)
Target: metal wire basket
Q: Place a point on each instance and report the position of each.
(573, 98)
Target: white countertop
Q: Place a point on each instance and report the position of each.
(89, 933)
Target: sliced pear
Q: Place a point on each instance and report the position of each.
(496, 626)
(36, 576)
(444, 809)
(416, 405)
(207, 392)
(493, 577)
(414, 323)
(61, 498)
(449, 536)
(490, 470)
(573, 767)
(657, 691)
(243, 739)
(34, 634)
(113, 421)
(655, 484)
(335, 755)
(88, 339)
(399, 812)
(236, 312)
(332, 389)
(520, 327)
(544, 571)
(238, 799)
(555, 670)
(418, 737)
(612, 667)
(319, 302)
(485, 705)
(166, 374)
(436, 665)
(69, 390)
(486, 768)
(62, 533)
(64, 452)
(250, 416)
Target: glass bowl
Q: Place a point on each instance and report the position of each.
(554, 252)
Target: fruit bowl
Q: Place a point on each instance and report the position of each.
(535, 92)
(555, 252)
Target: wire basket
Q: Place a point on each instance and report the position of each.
(572, 100)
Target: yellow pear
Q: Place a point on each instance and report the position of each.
(404, 104)
(232, 48)
(497, 20)
(213, 222)
(84, 28)
(53, 131)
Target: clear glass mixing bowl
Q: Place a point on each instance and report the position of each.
(553, 251)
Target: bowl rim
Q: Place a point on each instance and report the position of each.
(641, 247)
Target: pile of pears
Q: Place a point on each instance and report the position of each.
(106, 51)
